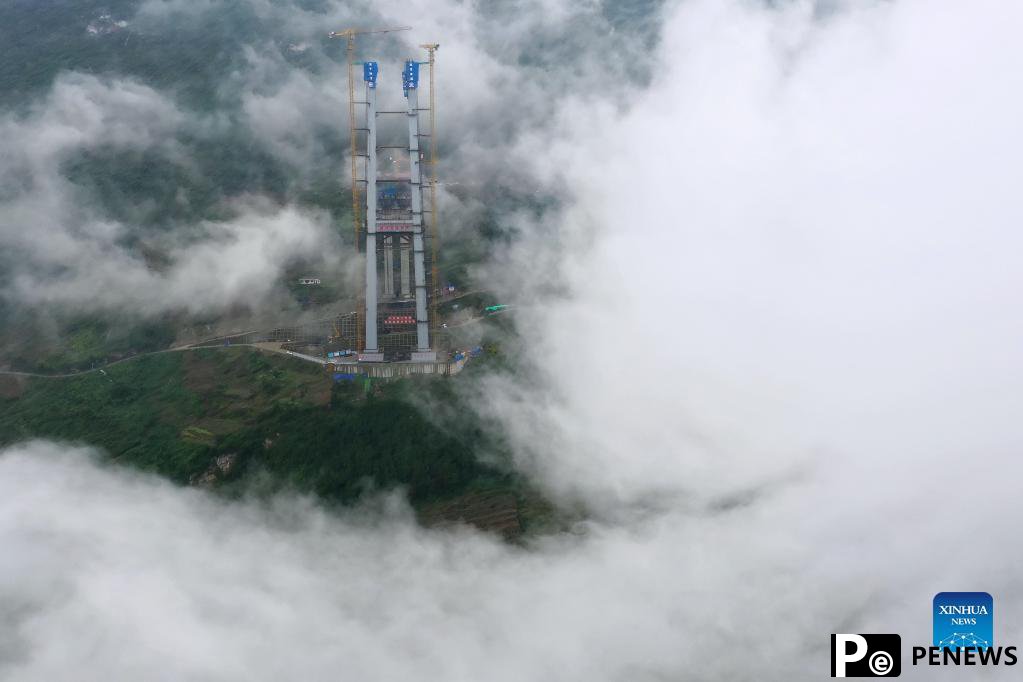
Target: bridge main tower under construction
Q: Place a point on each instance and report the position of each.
(398, 320)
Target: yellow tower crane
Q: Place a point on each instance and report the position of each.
(349, 35)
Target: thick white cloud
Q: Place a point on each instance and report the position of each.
(236, 262)
(784, 379)
(63, 251)
(797, 248)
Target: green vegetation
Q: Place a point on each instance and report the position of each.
(135, 411)
(79, 343)
(329, 291)
(239, 420)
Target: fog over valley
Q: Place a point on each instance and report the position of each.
(759, 380)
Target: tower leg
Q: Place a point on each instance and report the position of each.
(371, 352)
(423, 351)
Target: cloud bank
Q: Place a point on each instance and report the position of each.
(781, 373)
(799, 239)
(63, 250)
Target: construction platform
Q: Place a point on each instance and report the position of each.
(342, 370)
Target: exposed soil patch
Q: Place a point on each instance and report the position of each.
(221, 467)
(12, 387)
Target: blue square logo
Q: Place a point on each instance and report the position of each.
(963, 620)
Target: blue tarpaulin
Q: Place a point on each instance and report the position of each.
(410, 75)
(369, 73)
